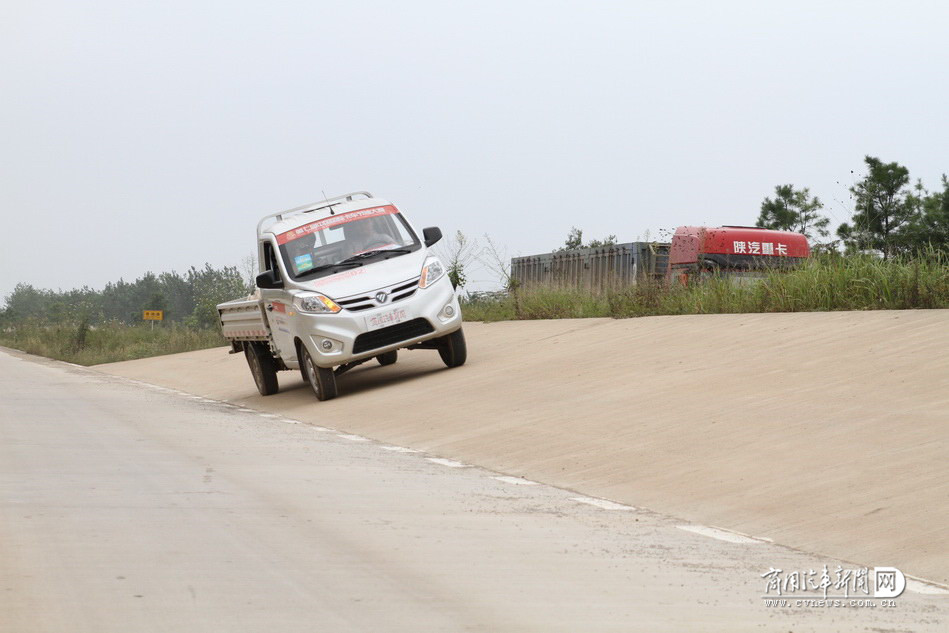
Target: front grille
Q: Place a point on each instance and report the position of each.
(391, 335)
(411, 284)
(401, 290)
(357, 304)
(404, 295)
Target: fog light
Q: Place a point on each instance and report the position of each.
(447, 313)
(327, 344)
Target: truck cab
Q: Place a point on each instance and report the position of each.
(735, 251)
(342, 282)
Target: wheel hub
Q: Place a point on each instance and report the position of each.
(311, 374)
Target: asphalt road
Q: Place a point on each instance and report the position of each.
(128, 508)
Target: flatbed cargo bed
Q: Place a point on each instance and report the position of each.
(242, 320)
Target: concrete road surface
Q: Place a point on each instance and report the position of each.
(125, 508)
(827, 432)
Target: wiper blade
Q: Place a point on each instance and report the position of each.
(369, 254)
(346, 264)
(358, 256)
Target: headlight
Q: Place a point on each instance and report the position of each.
(315, 302)
(432, 271)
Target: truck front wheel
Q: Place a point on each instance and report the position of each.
(388, 358)
(322, 380)
(453, 349)
(262, 368)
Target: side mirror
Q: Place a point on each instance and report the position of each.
(268, 280)
(432, 234)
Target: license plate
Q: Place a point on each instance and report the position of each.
(385, 319)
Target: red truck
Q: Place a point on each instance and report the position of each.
(738, 251)
(735, 250)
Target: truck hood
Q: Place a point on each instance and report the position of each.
(369, 277)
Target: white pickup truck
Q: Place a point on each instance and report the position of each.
(341, 282)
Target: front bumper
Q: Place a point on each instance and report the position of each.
(342, 328)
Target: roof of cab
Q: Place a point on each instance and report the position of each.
(302, 215)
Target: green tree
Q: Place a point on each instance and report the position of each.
(156, 302)
(609, 240)
(929, 225)
(211, 287)
(178, 293)
(26, 302)
(793, 210)
(883, 208)
(574, 241)
(179, 296)
(458, 253)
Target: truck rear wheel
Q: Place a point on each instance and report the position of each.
(388, 358)
(322, 380)
(453, 349)
(262, 367)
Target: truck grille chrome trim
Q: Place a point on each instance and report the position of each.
(366, 301)
(391, 335)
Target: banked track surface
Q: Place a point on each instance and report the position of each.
(826, 432)
(126, 506)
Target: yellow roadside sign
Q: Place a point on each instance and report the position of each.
(153, 315)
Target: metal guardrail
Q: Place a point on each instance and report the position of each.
(593, 268)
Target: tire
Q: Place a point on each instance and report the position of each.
(453, 349)
(322, 380)
(262, 367)
(388, 358)
(708, 270)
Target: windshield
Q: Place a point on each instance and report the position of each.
(346, 240)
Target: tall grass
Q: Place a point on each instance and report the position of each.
(90, 345)
(825, 283)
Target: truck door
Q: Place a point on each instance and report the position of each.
(277, 305)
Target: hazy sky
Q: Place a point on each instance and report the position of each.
(151, 136)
